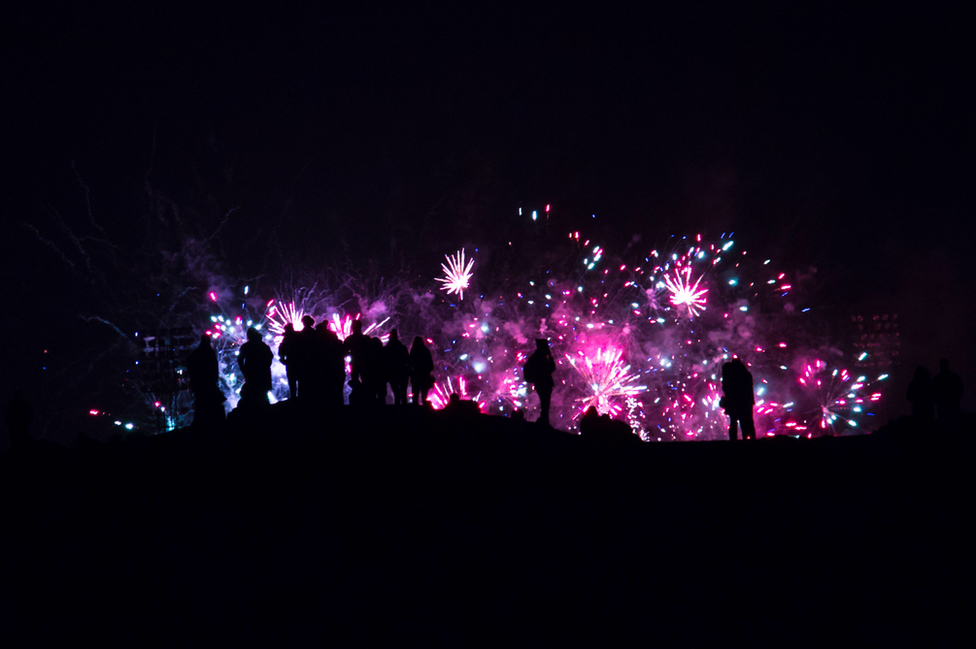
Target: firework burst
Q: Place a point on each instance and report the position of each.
(840, 397)
(684, 293)
(607, 378)
(457, 274)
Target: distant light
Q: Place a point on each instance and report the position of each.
(479, 367)
(93, 412)
(246, 289)
(535, 215)
(213, 296)
(129, 426)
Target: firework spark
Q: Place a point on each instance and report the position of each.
(457, 275)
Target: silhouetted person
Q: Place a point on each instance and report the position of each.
(19, 417)
(313, 342)
(378, 370)
(354, 348)
(739, 399)
(208, 400)
(367, 361)
(947, 389)
(254, 360)
(285, 351)
(397, 367)
(303, 355)
(921, 396)
(538, 372)
(330, 365)
(421, 371)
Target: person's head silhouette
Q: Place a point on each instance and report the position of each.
(308, 322)
(289, 328)
(357, 326)
(394, 337)
(542, 344)
(205, 340)
(253, 335)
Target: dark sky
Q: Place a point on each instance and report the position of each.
(835, 136)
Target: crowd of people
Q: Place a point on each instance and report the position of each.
(315, 362)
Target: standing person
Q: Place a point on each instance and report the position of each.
(947, 389)
(304, 354)
(421, 369)
(285, 351)
(538, 372)
(398, 369)
(204, 373)
(255, 360)
(377, 379)
(355, 344)
(334, 367)
(921, 397)
(739, 399)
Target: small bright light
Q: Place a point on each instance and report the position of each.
(129, 426)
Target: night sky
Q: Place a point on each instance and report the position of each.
(838, 138)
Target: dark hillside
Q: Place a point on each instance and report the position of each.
(412, 529)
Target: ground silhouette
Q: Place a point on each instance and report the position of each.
(407, 526)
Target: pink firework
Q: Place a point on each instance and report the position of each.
(440, 395)
(342, 326)
(607, 378)
(281, 315)
(840, 397)
(684, 293)
(457, 275)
